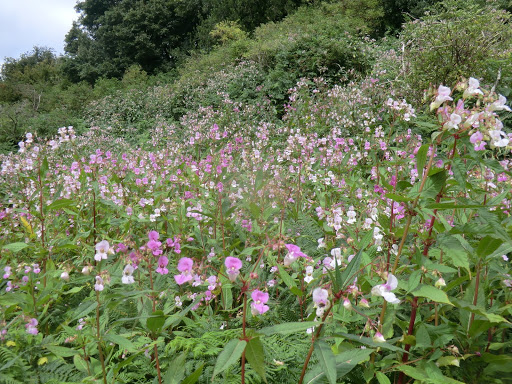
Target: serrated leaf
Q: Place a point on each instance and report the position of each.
(256, 356)
(229, 355)
(287, 279)
(84, 309)
(432, 293)
(487, 246)
(61, 351)
(156, 321)
(194, 376)
(369, 341)
(326, 359)
(15, 247)
(345, 362)
(122, 341)
(60, 204)
(414, 280)
(288, 328)
(421, 158)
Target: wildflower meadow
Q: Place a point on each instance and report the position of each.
(340, 246)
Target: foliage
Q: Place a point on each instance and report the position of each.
(457, 39)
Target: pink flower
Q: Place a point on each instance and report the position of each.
(294, 253)
(477, 139)
(31, 327)
(162, 264)
(153, 235)
(185, 267)
(258, 305)
(233, 266)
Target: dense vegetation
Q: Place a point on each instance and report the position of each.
(322, 198)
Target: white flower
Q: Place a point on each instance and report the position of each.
(101, 250)
(99, 284)
(454, 121)
(309, 274)
(499, 105)
(384, 290)
(127, 275)
(443, 94)
(472, 89)
(321, 243)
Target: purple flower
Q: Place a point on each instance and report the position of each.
(233, 266)
(259, 300)
(185, 267)
(162, 264)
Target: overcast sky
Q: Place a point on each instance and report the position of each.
(26, 23)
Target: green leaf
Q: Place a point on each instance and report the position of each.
(229, 355)
(15, 247)
(61, 351)
(460, 173)
(122, 341)
(194, 376)
(286, 277)
(176, 370)
(414, 280)
(432, 293)
(421, 158)
(353, 267)
(487, 246)
(382, 378)
(156, 321)
(345, 362)
(326, 359)
(369, 341)
(84, 309)
(80, 363)
(432, 187)
(256, 356)
(288, 328)
(398, 198)
(492, 317)
(60, 204)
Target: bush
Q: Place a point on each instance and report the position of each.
(456, 39)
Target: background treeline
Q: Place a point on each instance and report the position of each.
(133, 64)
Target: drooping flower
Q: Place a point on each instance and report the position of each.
(384, 290)
(233, 266)
(443, 94)
(499, 138)
(472, 89)
(162, 264)
(309, 274)
(454, 121)
(320, 300)
(499, 105)
(64, 276)
(477, 139)
(379, 338)
(99, 284)
(185, 267)
(101, 250)
(127, 274)
(293, 254)
(153, 243)
(259, 300)
(440, 283)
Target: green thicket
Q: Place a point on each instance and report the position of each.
(135, 64)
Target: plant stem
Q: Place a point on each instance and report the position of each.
(98, 336)
(315, 336)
